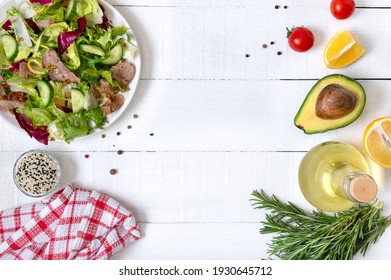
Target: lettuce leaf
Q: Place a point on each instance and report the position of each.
(119, 31)
(26, 8)
(4, 63)
(96, 115)
(39, 116)
(71, 58)
(91, 10)
(90, 101)
(49, 36)
(56, 130)
(74, 128)
(105, 41)
(55, 11)
(24, 85)
(21, 32)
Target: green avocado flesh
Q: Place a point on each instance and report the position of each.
(333, 102)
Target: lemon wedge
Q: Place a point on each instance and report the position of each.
(342, 50)
(35, 66)
(377, 141)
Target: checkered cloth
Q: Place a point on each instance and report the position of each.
(71, 224)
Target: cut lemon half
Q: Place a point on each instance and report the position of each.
(35, 66)
(342, 50)
(377, 141)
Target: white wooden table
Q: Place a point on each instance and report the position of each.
(214, 124)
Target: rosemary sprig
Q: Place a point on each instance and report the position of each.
(317, 235)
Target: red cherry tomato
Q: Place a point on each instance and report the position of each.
(342, 9)
(300, 39)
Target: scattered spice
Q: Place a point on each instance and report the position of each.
(272, 43)
(118, 133)
(264, 46)
(276, 7)
(285, 7)
(86, 156)
(103, 135)
(129, 126)
(135, 116)
(247, 55)
(151, 134)
(113, 171)
(36, 173)
(120, 152)
(279, 53)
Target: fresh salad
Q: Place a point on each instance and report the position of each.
(64, 67)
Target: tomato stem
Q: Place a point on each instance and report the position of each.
(289, 31)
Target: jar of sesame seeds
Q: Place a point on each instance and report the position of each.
(36, 173)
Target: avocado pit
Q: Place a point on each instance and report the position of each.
(334, 102)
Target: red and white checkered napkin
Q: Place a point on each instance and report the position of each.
(71, 224)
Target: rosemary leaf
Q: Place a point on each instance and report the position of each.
(317, 235)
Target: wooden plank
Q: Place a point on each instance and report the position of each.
(198, 42)
(214, 116)
(245, 3)
(197, 241)
(215, 242)
(179, 187)
(174, 187)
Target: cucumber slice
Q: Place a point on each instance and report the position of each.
(77, 97)
(10, 46)
(92, 49)
(115, 55)
(71, 12)
(45, 92)
(40, 116)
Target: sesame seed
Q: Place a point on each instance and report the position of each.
(36, 173)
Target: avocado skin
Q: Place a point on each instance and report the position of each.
(306, 118)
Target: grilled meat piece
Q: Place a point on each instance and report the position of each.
(108, 93)
(123, 73)
(2, 92)
(44, 23)
(104, 89)
(58, 72)
(13, 100)
(113, 104)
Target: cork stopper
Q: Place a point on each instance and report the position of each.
(363, 188)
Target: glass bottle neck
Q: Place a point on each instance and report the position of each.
(347, 184)
(354, 185)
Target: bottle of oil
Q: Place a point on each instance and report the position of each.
(334, 176)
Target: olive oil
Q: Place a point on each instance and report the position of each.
(335, 176)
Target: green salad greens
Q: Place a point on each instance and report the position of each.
(64, 67)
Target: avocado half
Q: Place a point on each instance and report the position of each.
(335, 101)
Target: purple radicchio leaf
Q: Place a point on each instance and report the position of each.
(7, 26)
(39, 133)
(16, 65)
(33, 25)
(67, 38)
(106, 23)
(42, 2)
